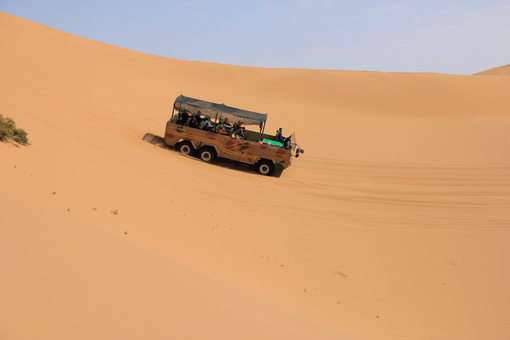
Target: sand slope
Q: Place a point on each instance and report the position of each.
(395, 223)
(496, 71)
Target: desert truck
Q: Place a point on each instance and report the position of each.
(212, 130)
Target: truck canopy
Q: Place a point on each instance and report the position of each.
(220, 111)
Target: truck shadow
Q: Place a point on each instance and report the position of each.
(221, 162)
(155, 140)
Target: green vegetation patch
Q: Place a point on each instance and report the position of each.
(9, 131)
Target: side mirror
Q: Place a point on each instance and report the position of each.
(302, 150)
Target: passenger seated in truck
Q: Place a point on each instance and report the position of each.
(183, 117)
(279, 135)
(241, 131)
(225, 127)
(280, 138)
(206, 124)
(199, 118)
(178, 118)
(193, 122)
(221, 129)
(187, 116)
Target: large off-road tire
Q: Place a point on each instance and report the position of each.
(265, 167)
(207, 154)
(186, 148)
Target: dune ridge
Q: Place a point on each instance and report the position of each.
(394, 223)
(496, 71)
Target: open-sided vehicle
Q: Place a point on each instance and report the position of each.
(216, 130)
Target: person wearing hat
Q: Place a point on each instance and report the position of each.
(225, 127)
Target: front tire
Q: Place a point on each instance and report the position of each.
(265, 167)
(186, 148)
(207, 154)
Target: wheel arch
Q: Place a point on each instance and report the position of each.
(265, 166)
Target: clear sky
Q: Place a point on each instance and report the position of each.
(448, 36)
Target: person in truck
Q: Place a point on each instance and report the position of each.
(279, 135)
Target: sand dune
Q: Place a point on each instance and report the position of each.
(496, 71)
(395, 223)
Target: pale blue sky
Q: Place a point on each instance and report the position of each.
(450, 36)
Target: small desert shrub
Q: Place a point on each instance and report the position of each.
(8, 131)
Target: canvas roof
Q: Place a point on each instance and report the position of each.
(220, 110)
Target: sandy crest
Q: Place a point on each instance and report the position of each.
(394, 223)
(496, 71)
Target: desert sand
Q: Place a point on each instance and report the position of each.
(395, 223)
(496, 71)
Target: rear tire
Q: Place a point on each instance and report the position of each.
(186, 148)
(265, 167)
(207, 154)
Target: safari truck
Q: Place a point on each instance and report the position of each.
(215, 130)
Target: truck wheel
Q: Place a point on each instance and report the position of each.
(207, 154)
(265, 167)
(186, 148)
